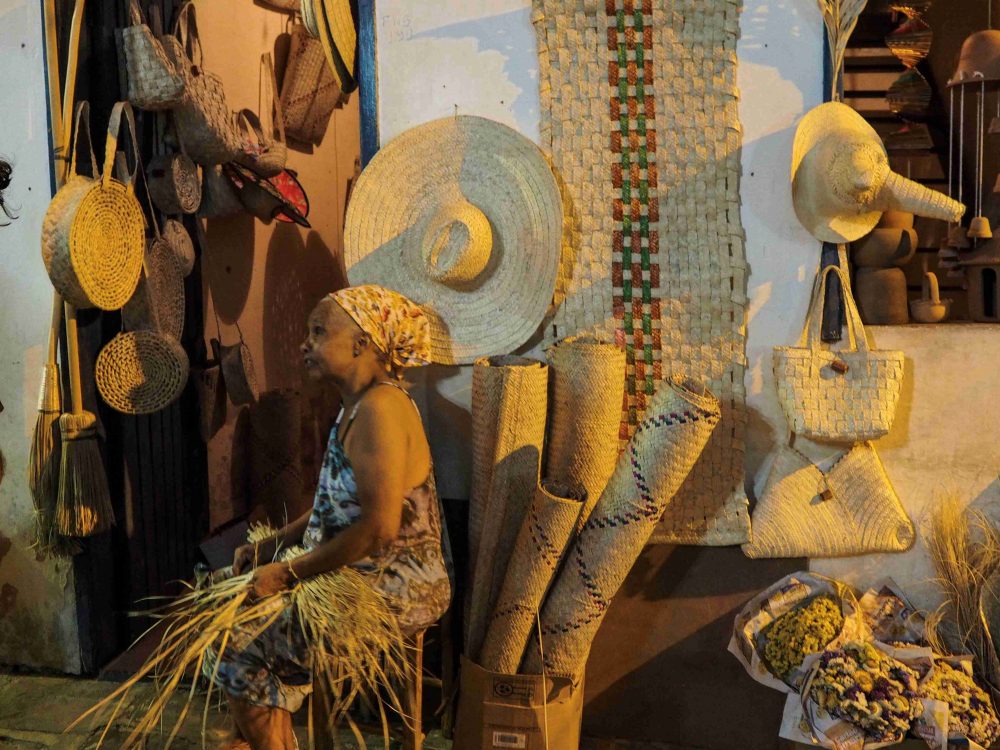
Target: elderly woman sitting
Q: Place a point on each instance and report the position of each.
(375, 508)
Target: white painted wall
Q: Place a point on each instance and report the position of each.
(479, 57)
(37, 604)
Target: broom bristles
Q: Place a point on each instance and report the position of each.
(83, 505)
(44, 442)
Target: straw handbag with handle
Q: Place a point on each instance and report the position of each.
(174, 181)
(153, 80)
(59, 215)
(99, 266)
(263, 151)
(837, 396)
(850, 509)
(309, 93)
(204, 120)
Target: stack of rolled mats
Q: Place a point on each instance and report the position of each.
(559, 512)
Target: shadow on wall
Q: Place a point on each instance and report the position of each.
(228, 264)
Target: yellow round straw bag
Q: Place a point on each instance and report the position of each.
(141, 372)
(108, 235)
(59, 215)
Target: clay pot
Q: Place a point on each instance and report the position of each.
(881, 296)
(979, 228)
(884, 247)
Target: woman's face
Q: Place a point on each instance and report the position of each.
(330, 341)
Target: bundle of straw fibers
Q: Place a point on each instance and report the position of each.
(540, 546)
(509, 401)
(588, 386)
(664, 447)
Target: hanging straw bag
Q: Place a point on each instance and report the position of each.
(174, 182)
(850, 509)
(158, 302)
(180, 242)
(154, 82)
(260, 197)
(263, 152)
(204, 120)
(59, 216)
(309, 93)
(141, 372)
(837, 396)
(100, 263)
(219, 197)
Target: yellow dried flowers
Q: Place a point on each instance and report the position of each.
(971, 712)
(800, 632)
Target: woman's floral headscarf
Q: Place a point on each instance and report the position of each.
(395, 324)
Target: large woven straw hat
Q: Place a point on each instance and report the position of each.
(463, 216)
(841, 180)
(334, 23)
(979, 59)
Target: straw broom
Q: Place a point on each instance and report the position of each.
(43, 458)
(356, 649)
(83, 504)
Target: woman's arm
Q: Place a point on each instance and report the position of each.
(251, 555)
(379, 454)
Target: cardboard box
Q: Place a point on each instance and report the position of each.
(517, 711)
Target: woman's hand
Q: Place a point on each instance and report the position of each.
(244, 558)
(270, 579)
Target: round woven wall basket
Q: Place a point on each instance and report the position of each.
(238, 373)
(158, 302)
(175, 184)
(141, 372)
(180, 242)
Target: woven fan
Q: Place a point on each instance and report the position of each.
(840, 17)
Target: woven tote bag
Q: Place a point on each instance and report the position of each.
(154, 82)
(851, 509)
(309, 93)
(108, 235)
(141, 372)
(264, 149)
(59, 215)
(837, 396)
(204, 120)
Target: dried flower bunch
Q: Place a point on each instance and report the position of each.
(802, 631)
(970, 712)
(862, 685)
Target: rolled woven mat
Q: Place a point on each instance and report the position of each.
(275, 455)
(588, 385)
(658, 458)
(509, 398)
(540, 546)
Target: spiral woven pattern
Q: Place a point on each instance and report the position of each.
(180, 242)
(158, 302)
(106, 244)
(862, 513)
(398, 201)
(174, 183)
(509, 396)
(655, 463)
(541, 543)
(141, 372)
(588, 385)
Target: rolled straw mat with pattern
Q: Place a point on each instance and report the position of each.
(540, 546)
(509, 397)
(657, 460)
(462, 215)
(587, 387)
(653, 256)
(141, 372)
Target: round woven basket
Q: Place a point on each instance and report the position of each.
(141, 372)
(158, 302)
(174, 183)
(107, 239)
(180, 242)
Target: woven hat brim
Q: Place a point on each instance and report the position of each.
(831, 119)
(339, 39)
(507, 177)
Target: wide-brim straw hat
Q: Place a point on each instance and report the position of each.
(336, 31)
(841, 180)
(463, 216)
(979, 59)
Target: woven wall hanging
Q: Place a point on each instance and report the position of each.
(639, 112)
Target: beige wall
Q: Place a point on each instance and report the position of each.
(268, 277)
